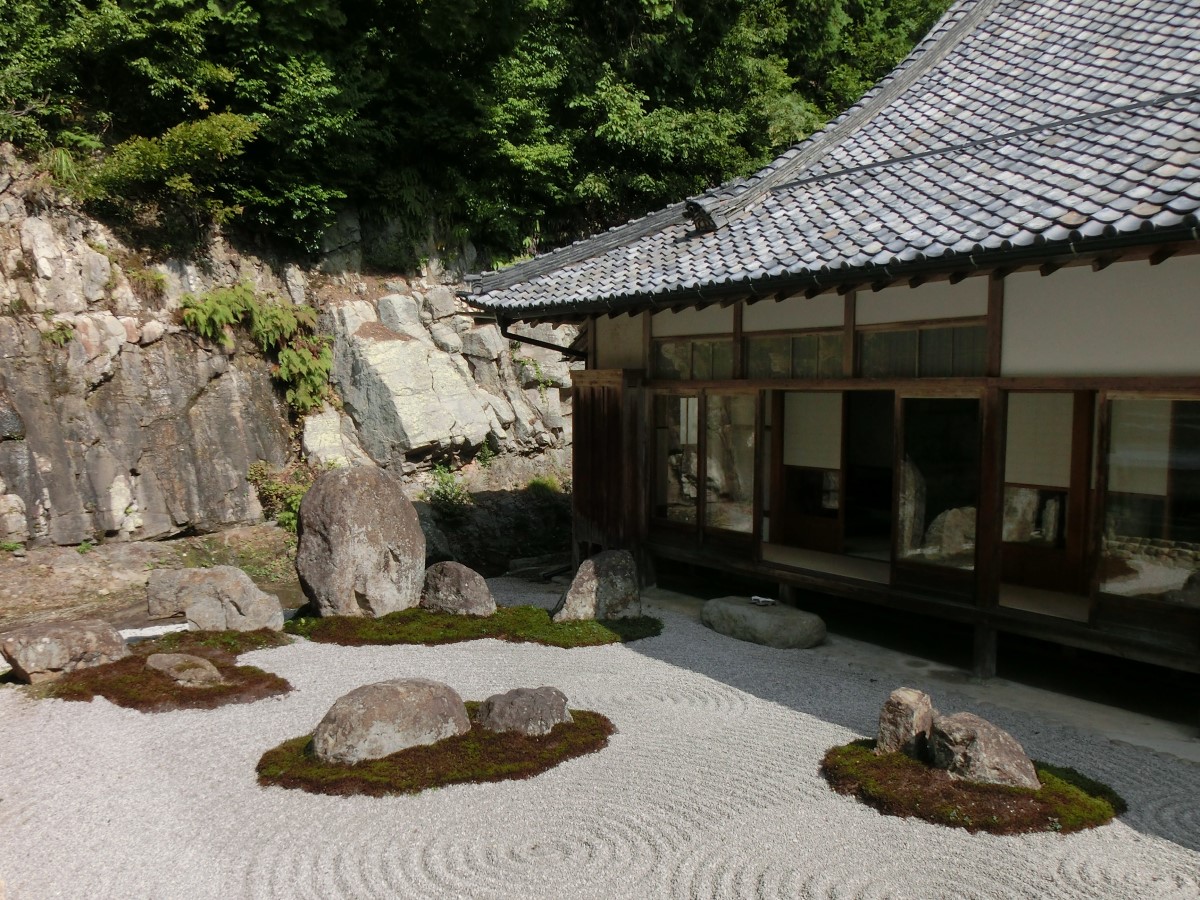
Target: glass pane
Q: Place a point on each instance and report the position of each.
(722, 359)
(673, 359)
(939, 482)
(769, 357)
(1151, 545)
(729, 458)
(970, 350)
(888, 354)
(830, 365)
(1035, 516)
(805, 351)
(675, 458)
(937, 352)
(702, 359)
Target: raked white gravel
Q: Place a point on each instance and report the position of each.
(709, 790)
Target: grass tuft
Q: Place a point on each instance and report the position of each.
(897, 785)
(473, 758)
(129, 683)
(517, 623)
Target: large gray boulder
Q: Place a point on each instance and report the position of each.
(905, 722)
(529, 711)
(361, 550)
(185, 669)
(976, 750)
(222, 598)
(778, 626)
(47, 652)
(605, 587)
(377, 720)
(454, 588)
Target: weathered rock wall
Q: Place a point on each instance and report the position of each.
(115, 423)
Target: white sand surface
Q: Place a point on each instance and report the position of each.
(709, 790)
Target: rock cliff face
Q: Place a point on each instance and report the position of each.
(117, 424)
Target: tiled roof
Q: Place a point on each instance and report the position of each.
(1016, 126)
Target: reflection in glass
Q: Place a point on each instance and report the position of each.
(817, 355)
(1151, 543)
(1035, 516)
(729, 462)
(939, 482)
(675, 458)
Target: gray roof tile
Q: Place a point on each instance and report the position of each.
(1014, 124)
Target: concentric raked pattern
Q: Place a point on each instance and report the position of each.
(709, 789)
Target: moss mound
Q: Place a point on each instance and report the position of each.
(129, 683)
(472, 758)
(515, 623)
(897, 785)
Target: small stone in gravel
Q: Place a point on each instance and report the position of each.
(782, 627)
(529, 711)
(188, 670)
(905, 722)
(976, 750)
(47, 652)
(380, 719)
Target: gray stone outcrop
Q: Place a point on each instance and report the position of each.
(905, 723)
(528, 711)
(779, 626)
(185, 669)
(951, 533)
(47, 652)
(377, 720)
(361, 550)
(974, 749)
(222, 598)
(604, 587)
(452, 587)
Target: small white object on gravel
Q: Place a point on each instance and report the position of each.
(710, 789)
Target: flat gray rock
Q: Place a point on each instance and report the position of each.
(47, 652)
(779, 626)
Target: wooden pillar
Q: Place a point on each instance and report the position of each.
(850, 316)
(995, 323)
(983, 661)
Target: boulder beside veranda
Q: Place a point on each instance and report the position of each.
(604, 587)
(47, 652)
(380, 719)
(974, 749)
(779, 626)
(222, 598)
(905, 723)
(528, 711)
(454, 588)
(361, 551)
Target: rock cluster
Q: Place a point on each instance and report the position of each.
(604, 587)
(47, 652)
(222, 598)
(361, 551)
(963, 744)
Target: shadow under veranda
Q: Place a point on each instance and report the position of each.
(846, 680)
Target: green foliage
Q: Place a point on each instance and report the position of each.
(10, 546)
(546, 487)
(280, 492)
(521, 123)
(447, 495)
(60, 335)
(517, 623)
(480, 755)
(85, 548)
(897, 785)
(287, 333)
(486, 456)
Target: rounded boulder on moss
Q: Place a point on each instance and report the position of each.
(454, 588)
(380, 719)
(528, 711)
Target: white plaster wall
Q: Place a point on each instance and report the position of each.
(812, 434)
(619, 342)
(794, 313)
(1128, 319)
(710, 320)
(1038, 443)
(934, 300)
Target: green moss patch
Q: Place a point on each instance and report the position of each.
(129, 683)
(897, 785)
(516, 623)
(472, 758)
